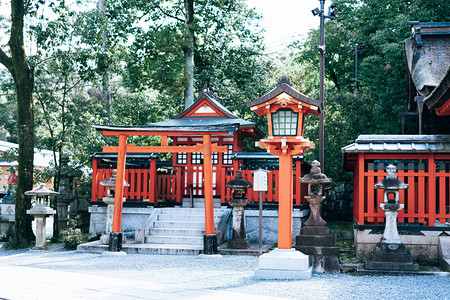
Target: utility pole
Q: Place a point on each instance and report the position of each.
(332, 12)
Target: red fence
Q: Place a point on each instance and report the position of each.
(173, 184)
(271, 196)
(168, 185)
(426, 201)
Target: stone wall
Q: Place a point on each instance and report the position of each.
(338, 204)
(132, 218)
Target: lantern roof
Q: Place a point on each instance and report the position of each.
(391, 182)
(239, 182)
(41, 191)
(111, 181)
(284, 91)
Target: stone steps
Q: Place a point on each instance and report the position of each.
(175, 229)
(199, 203)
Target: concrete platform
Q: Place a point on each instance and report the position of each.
(171, 249)
(283, 264)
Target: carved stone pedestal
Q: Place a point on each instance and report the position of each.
(318, 243)
(394, 257)
(239, 238)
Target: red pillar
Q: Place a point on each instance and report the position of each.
(285, 202)
(153, 197)
(120, 177)
(94, 180)
(208, 185)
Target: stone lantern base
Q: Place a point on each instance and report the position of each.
(318, 243)
(394, 257)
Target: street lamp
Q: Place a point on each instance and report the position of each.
(332, 12)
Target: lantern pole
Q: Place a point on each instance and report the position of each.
(321, 85)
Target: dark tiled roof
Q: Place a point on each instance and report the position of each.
(428, 55)
(399, 143)
(284, 85)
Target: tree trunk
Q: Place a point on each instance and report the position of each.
(25, 122)
(23, 77)
(189, 52)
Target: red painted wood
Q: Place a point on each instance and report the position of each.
(431, 190)
(95, 182)
(421, 197)
(360, 183)
(370, 205)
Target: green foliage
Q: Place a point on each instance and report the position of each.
(382, 26)
(71, 236)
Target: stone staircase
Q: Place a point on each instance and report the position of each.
(199, 202)
(178, 230)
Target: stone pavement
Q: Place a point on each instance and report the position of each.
(23, 283)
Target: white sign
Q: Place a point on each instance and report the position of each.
(260, 180)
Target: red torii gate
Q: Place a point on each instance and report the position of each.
(210, 242)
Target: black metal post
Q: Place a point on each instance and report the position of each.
(210, 244)
(420, 103)
(115, 242)
(321, 87)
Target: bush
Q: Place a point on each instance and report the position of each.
(71, 238)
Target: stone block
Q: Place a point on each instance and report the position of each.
(315, 240)
(325, 263)
(392, 266)
(139, 236)
(239, 244)
(315, 230)
(314, 250)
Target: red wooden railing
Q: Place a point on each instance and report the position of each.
(168, 185)
(174, 184)
(271, 196)
(426, 201)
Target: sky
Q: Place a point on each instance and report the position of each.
(286, 21)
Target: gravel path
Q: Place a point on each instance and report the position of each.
(230, 273)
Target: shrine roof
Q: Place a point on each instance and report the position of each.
(213, 101)
(206, 114)
(427, 56)
(399, 144)
(230, 128)
(284, 85)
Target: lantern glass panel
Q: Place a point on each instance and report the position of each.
(284, 122)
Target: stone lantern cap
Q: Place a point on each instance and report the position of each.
(315, 176)
(41, 191)
(111, 182)
(391, 182)
(239, 182)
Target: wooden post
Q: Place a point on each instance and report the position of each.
(207, 169)
(120, 177)
(95, 187)
(153, 197)
(361, 200)
(431, 190)
(285, 202)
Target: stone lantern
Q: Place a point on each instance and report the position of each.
(315, 238)
(390, 253)
(391, 205)
(239, 185)
(110, 183)
(40, 212)
(65, 195)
